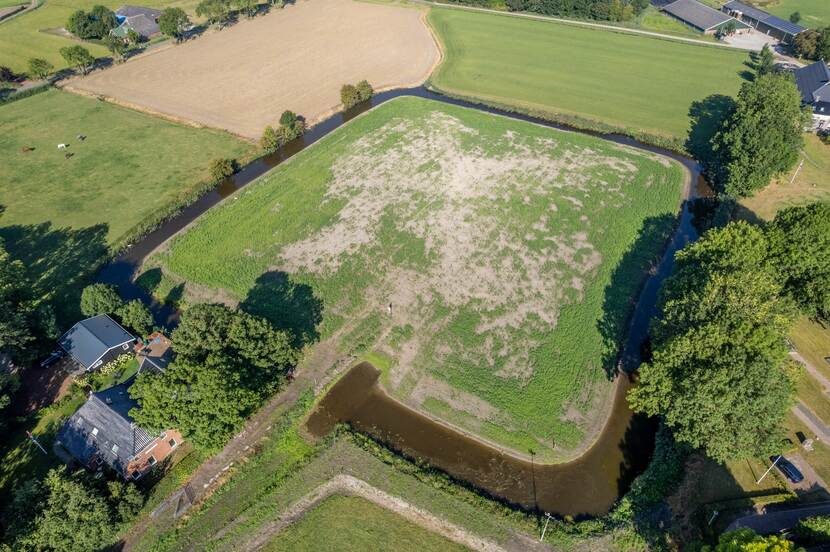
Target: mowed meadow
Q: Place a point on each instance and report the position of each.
(491, 263)
(61, 214)
(612, 78)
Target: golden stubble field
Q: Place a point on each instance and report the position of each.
(242, 78)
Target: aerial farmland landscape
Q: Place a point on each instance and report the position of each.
(408, 275)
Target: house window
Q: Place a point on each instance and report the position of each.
(115, 449)
(151, 461)
(136, 474)
(172, 443)
(94, 431)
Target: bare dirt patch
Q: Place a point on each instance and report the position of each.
(241, 78)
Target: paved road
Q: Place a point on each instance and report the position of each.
(773, 522)
(592, 25)
(813, 371)
(812, 422)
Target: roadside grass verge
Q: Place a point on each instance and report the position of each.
(62, 216)
(349, 523)
(610, 78)
(274, 250)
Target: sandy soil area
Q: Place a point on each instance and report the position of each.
(242, 78)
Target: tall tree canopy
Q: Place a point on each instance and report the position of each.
(96, 23)
(800, 248)
(719, 374)
(760, 138)
(100, 299)
(173, 22)
(227, 362)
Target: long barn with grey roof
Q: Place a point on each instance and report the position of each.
(701, 17)
(762, 21)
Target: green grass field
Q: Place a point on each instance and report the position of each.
(344, 523)
(510, 253)
(23, 38)
(61, 215)
(613, 78)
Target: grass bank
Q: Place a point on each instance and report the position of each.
(510, 253)
(62, 215)
(632, 83)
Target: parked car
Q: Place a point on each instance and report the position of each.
(52, 358)
(787, 468)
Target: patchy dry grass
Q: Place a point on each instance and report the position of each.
(509, 253)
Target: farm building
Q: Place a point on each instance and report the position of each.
(95, 341)
(762, 21)
(703, 18)
(103, 432)
(143, 21)
(814, 84)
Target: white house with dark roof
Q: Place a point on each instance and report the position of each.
(95, 341)
(813, 82)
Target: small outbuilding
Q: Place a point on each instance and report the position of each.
(154, 352)
(95, 341)
(700, 16)
(102, 432)
(813, 83)
(762, 21)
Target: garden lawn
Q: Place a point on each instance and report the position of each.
(612, 78)
(23, 37)
(812, 340)
(344, 523)
(60, 216)
(510, 254)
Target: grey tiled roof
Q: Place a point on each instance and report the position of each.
(129, 11)
(696, 14)
(103, 427)
(90, 339)
(814, 82)
(143, 25)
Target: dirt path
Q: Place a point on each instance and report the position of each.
(351, 486)
(242, 78)
(813, 371)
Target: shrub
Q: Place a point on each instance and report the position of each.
(137, 316)
(365, 90)
(349, 96)
(6, 74)
(40, 68)
(813, 530)
(100, 299)
(292, 126)
(222, 168)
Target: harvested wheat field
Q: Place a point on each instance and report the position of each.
(509, 253)
(242, 78)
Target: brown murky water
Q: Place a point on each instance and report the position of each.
(588, 485)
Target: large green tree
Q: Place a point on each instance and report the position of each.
(173, 22)
(137, 316)
(97, 23)
(800, 248)
(79, 57)
(215, 11)
(100, 299)
(760, 138)
(719, 374)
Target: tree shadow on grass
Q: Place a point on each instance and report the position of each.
(625, 290)
(706, 116)
(287, 304)
(59, 261)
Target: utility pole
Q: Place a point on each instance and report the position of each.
(777, 458)
(547, 519)
(34, 440)
(797, 170)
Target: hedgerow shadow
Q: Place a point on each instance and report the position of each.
(627, 280)
(287, 304)
(706, 116)
(59, 261)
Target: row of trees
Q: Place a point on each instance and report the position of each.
(292, 126)
(351, 95)
(104, 299)
(68, 512)
(719, 374)
(219, 12)
(605, 10)
(227, 363)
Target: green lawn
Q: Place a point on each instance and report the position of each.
(22, 38)
(510, 253)
(61, 215)
(814, 13)
(344, 523)
(613, 78)
(812, 340)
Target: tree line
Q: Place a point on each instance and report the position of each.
(603, 10)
